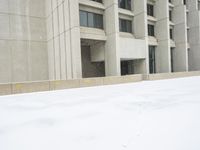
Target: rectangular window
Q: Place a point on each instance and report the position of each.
(198, 5)
(92, 20)
(172, 59)
(151, 30)
(83, 18)
(125, 25)
(99, 1)
(125, 4)
(152, 59)
(171, 34)
(170, 15)
(150, 10)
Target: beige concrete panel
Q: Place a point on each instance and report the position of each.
(57, 58)
(19, 27)
(172, 75)
(132, 78)
(54, 4)
(55, 23)
(4, 6)
(49, 23)
(66, 15)
(37, 29)
(91, 82)
(38, 61)
(48, 8)
(61, 19)
(63, 57)
(5, 62)
(112, 80)
(68, 55)
(76, 53)
(19, 61)
(4, 26)
(5, 89)
(36, 8)
(18, 88)
(64, 84)
(163, 63)
(51, 60)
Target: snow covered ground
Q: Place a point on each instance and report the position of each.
(151, 115)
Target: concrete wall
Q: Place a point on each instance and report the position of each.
(162, 35)
(112, 57)
(63, 39)
(180, 38)
(23, 49)
(135, 50)
(194, 35)
(28, 87)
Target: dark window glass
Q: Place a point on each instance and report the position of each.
(198, 5)
(150, 10)
(172, 59)
(125, 25)
(171, 34)
(99, 1)
(170, 15)
(92, 20)
(151, 30)
(125, 4)
(83, 18)
(152, 59)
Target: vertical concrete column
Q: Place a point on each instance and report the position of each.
(162, 34)
(64, 41)
(111, 23)
(194, 35)
(140, 27)
(75, 39)
(180, 37)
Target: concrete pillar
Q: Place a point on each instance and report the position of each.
(162, 34)
(140, 28)
(64, 45)
(180, 38)
(112, 55)
(194, 35)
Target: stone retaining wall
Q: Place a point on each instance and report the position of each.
(28, 87)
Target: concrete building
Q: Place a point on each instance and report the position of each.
(70, 39)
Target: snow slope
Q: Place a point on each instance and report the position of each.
(151, 115)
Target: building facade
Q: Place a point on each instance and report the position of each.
(70, 39)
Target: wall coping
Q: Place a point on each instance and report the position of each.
(40, 86)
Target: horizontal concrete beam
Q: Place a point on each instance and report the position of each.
(28, 87)
(171, 75)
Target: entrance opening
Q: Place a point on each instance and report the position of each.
(152, 59)
(91, 68)
(172, 59)
(127, 67)
(135, 66)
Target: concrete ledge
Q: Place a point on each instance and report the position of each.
(111, 80)
(18, 88)
(28, 87)
(172, 75)
(91, 82)
(64, 84)
(5, 89)
(132, 78)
